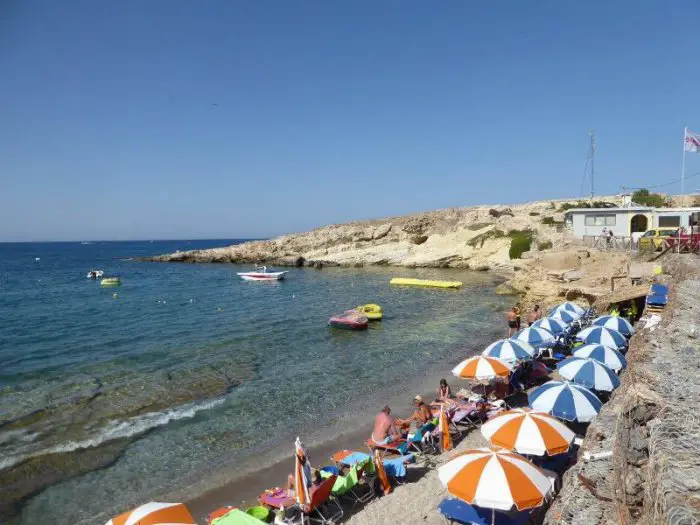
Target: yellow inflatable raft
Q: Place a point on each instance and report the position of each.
(425, 282)
(372, 311)
(110, 281)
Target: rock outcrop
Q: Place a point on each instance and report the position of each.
(478, 237)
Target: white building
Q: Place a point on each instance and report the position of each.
(624, 222)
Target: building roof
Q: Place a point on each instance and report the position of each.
(609, 210)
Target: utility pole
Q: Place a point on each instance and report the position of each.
(592, 154)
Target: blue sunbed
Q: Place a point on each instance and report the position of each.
(457, 511)
(659, 289)
(657, 300)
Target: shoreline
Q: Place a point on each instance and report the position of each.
(243, 490)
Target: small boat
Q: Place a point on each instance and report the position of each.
(372, 311)
(425, 282)
(262, 273)
(110, 281)
(349, 320)
(95, 274)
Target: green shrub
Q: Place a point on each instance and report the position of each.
(482, 237)
(478, 225)
(534, 214)
(644, 198)
(549, 221)
(546, 245)
(519, 244)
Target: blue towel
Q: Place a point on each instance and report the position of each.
(396, 467)
(659, 300)
(659, 289)
(355, 457)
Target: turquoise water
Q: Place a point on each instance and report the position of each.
(169, 388)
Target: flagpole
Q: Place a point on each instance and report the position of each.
(685, 135)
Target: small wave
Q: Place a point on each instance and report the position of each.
(119, 430)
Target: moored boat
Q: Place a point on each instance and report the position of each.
(349, 320)
(110, 281)
(262, 273)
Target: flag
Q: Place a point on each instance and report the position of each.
(692, 141)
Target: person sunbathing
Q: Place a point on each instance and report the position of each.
(444, 392)
(384, 430)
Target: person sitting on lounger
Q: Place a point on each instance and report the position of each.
(384, 430)
(311, 478)
(421, 416)
(444, 392)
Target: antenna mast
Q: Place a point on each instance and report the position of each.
(592, 155)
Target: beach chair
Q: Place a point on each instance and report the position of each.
(235, 516)
(395, 467)
(659, 289)
(322, 509)
(346, 487)
(457, 511)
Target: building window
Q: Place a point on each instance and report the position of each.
(600, 220)
(669, 221)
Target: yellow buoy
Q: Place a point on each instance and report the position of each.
(372, 311)
(425, 282)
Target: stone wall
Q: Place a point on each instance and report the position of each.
(651, 426)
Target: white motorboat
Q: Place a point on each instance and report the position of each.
(261, 273)
(95, 274)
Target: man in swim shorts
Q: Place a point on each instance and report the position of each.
(384, 430)
(512, 319)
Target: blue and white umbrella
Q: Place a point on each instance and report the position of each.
(510, 350)
(568, 307)
(565, 401)
(535, 336)
(565, 315)
(606, 355)
(614, 322)
(589, 373)
(556, 326)
(602, 336)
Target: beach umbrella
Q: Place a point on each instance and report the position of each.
(535, 336)
(614, 322)
(565, 401)
(589, 373)
(301, 473)
(446, 440)
(510, 350)
(610, 357)
(551, 324)
(525, 431)
(497, 480)
(568, 306)
(602, 336)
(565, 315)
(154, 514)
(480, 367)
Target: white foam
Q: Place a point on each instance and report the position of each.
(120, 429)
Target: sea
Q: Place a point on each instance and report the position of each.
(185, 378)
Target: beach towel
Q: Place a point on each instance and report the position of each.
(396, 467)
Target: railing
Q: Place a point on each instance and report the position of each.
(605, 242)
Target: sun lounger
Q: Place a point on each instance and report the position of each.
(346, 486)
(657, 300)
(659, 289)
(395, 467)
(457, 511)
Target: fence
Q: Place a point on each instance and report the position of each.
(604, 242)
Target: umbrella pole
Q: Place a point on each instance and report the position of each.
(493, 516)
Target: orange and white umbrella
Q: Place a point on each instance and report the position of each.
(480, 367)
(301, 473)
(528, 432)
(446, 440)
(155, 514)
(497, 480)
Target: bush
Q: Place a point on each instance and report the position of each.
(583, 204)
(544, 245)
(644, 198)
(519, 244)
(482, 237)
(478, 225)
(533, 214)
(549, 221)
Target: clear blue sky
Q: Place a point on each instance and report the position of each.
(328, 111)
